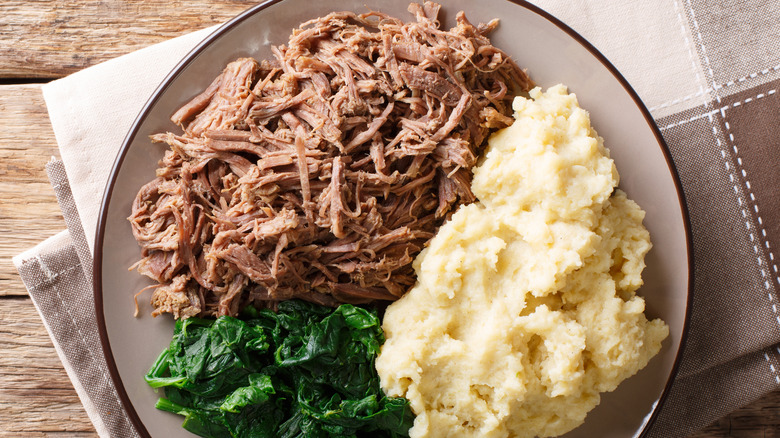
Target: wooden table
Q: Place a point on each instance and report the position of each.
(48, 39)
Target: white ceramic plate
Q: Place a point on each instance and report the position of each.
(551, 52)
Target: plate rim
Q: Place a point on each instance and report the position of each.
(97, 277)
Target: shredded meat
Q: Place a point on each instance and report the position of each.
(320, 174)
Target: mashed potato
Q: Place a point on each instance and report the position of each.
(525, 306)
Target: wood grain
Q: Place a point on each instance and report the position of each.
(36, 396)
(52, 38)
(760, 419)
(28, 208)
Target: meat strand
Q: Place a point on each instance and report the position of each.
(321, 173)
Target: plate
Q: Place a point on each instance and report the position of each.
(550, 51)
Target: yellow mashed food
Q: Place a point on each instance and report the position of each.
(525, 306)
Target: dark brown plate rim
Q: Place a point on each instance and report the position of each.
(97, 277)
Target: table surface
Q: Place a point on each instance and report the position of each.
(48, 39)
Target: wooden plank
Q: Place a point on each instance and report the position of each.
(28, 208)
(52, 38)
(760, 419)
(36, 396)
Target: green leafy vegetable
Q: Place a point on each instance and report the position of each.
(304, 371)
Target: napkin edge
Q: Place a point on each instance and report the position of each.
(32, 259)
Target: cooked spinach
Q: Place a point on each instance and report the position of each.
(303, 371)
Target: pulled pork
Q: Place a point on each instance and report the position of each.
(322, 173)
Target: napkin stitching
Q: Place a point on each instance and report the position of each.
(681, 99)
(730, 83)
(45, 269)
(730, 170)
(707, 62)
(692, 119)
(763, 236)
(772, 367)
(689, 46)
(47, 272)
(83, 339)
(749, 99)
(763, 72)
(721, 110)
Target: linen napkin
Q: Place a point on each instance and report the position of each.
(707, 70)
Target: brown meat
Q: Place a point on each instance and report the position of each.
(320, 174)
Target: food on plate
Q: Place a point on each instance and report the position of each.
(525, 308)
(305, 370)
(321, 173)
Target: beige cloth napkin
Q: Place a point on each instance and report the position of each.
(708, 74)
